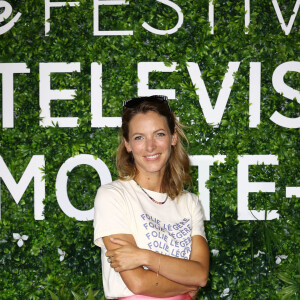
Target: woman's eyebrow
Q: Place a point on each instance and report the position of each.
(139, 133)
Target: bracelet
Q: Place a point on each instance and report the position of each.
(157, 271)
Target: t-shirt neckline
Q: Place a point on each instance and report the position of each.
(159, 197)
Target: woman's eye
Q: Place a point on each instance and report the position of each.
(161, 134)
(136, 138)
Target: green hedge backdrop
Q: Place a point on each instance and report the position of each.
(36, 269)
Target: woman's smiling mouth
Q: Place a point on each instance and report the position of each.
(152, 157)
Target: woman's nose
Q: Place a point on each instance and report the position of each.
(150, 145)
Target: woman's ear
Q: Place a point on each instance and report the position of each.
(127, 146)
(174, 138)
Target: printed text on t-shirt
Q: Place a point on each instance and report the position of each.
(169, 239)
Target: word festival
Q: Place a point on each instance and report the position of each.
(7, 12)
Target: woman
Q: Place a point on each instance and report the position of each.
(151, 231)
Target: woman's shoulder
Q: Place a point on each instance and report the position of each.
(114, 186)
(188, 200)
(188, 196)
(113, 193)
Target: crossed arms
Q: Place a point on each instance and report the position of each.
(176, 276)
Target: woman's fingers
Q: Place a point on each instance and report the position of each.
(122, 260)
(109, 253)
(119, 242)
(124, 257)
(116, 266)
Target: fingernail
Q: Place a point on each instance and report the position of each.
(112, 239)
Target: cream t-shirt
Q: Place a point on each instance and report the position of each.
(122, 207)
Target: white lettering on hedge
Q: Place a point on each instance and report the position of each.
(62, 181)
(46, 94)
(5, 14)
(247, 15)
(244, 187)
(33, 170)
(144, 68)
(96, 100)
(168, 31)
(211, 9)
(203, 162)
(288, 92)
(211, 13)
(48, 5)
(212, 115)
(291, 191)
(254, 94)
(286, 28)
(8, 70)
(97, 3)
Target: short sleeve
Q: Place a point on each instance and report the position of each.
(110, 214)
(197, 218)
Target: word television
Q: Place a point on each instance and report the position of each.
(212, 114)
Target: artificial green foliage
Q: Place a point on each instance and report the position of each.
(292, 280)
(35, 271)
(90, 295)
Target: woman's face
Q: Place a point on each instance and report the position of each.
(150, 142)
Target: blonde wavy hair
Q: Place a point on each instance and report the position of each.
(178, 165)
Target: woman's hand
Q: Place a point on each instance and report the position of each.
(126, 257)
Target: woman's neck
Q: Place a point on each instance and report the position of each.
(152, 183)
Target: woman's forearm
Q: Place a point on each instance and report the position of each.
(176, 269)
(147, 283)
(187, 272)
